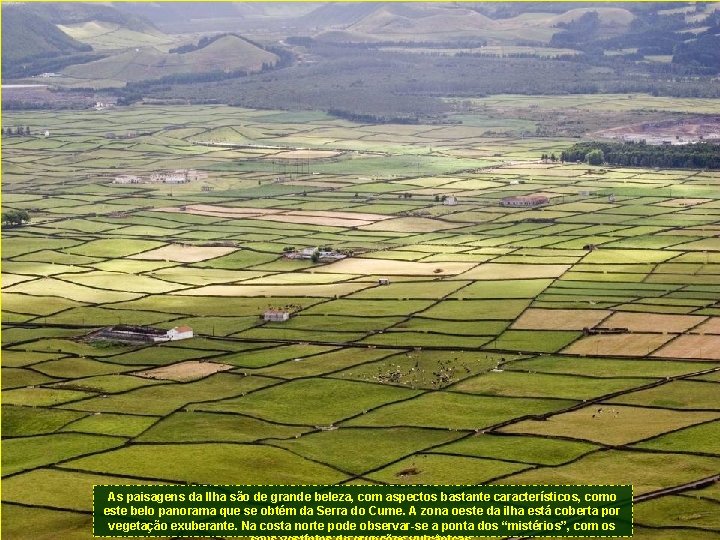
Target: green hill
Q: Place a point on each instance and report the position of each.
(455, 22)
(33, 43)
(27, 37)
(103, 36)
(80, 12)
(228, 54)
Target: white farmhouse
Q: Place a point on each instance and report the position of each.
(179, 332)
(276, 315)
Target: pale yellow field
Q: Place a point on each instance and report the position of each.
(278, 290)
(297, 217)
(618, 344)
(332, 219)
(183, 253)
(652, 322)
(71, 291)
(683, 202)
(711, 326)
(306, 154)
(412, 224)
(692, 346)
(516, 271)
(184, 371)
(614, 424)
(395, 268)
(559, 319)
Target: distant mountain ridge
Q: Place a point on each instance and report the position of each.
(28, 39)
(80, 12)
(33, 43)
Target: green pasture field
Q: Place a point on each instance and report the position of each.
(365, 380)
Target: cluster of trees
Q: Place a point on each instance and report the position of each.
(306, 41)
(365, 118)
(703, 52)
(545, 158)
(15, 218)
(408, 87)
(577, 32)
(18, 131)
(33, 44)
(203, 42)
(702, 155)
(650, 33)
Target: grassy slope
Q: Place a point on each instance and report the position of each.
(102, 35)
(25, 35)
(228, 53)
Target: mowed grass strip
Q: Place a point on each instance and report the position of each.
(400, 338)
(120, 425)
(676, 395)
(602, 367)
(508, 383)
(195, 426)
(113, 248)
(60, 489)
(310, 401)
(74, 368)
(703, 438)
(18, 421)
(70, 291)
(473, 310)
(324, 363)
(411, 290)
(531, 450)
(369, 308)
(165, 398)
(42, 397)
(499, 288)
(31, 452)
(381, 267)
(219, 463)
(198, 306)
(646, 472)
(506, 271)
(456, 411)
(680, 511)
(559, 319)
(26, 523)
(273, 355)
(618, 344)
(379, 446)
(270, 291)
(13, 377)
(534, 340)
(118, 281)
(444, 469)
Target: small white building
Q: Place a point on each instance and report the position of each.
(276, 315)
(127, 179)
(383, 281)
(179, 332)
(450, 200)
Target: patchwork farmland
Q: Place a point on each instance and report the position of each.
(573, 342)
